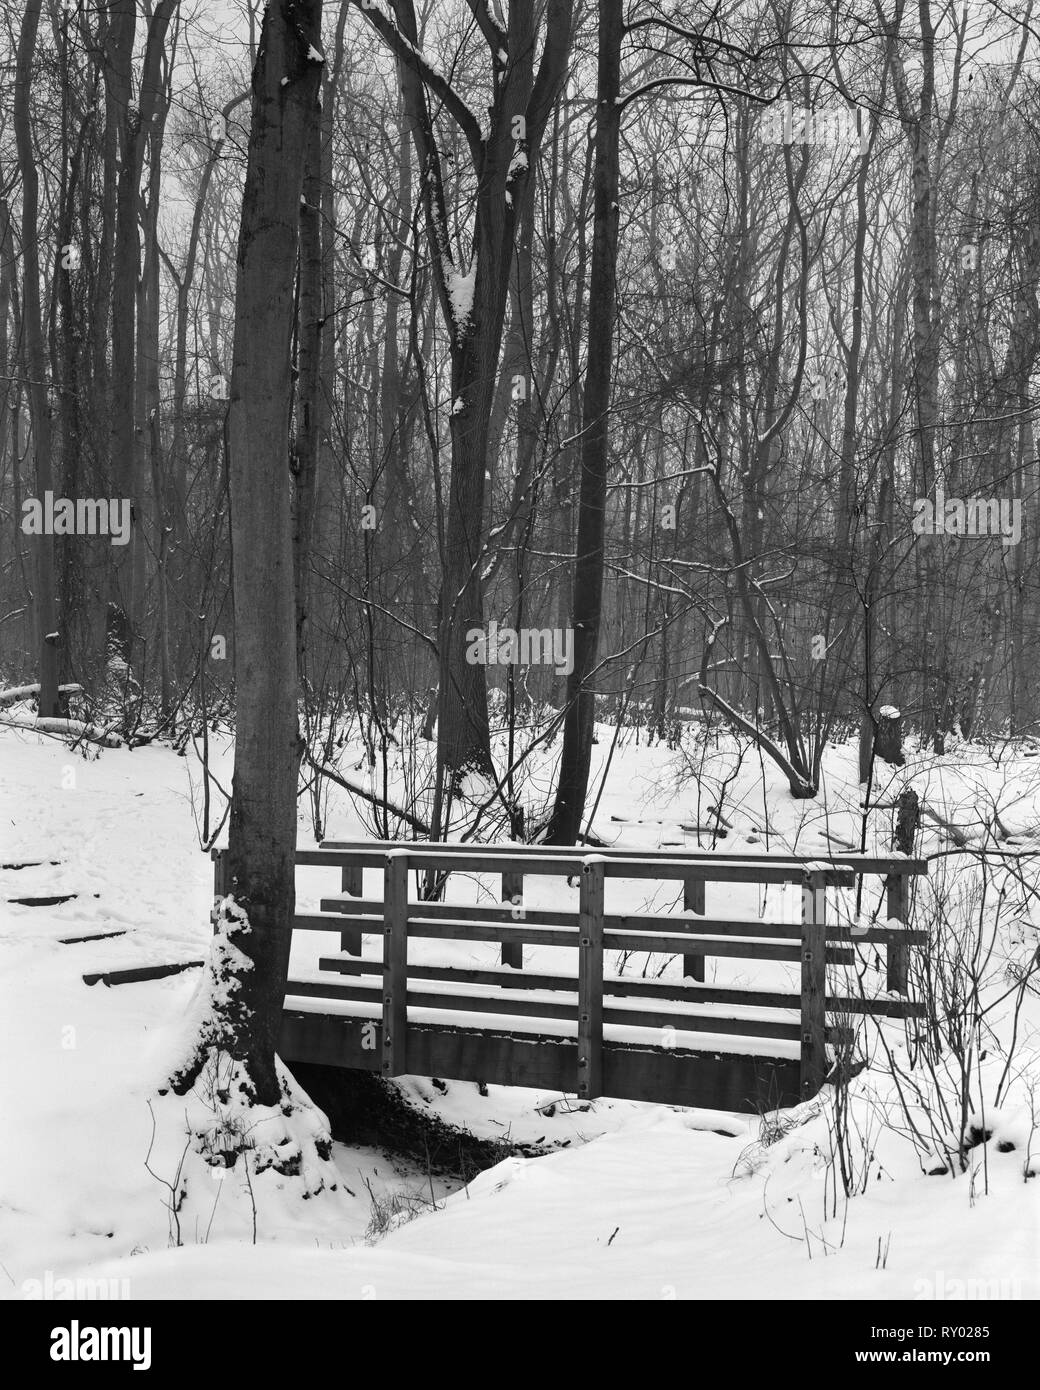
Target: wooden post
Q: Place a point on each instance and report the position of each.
(590, 979)
(219, 882)
(897, 892)
(220, 873)
(693, 901)
(814, 988)
(395, 963)
(351, 882)
(897, 886)
(513, 888)
(888, 737)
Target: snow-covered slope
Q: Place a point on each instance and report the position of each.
(635, 1201)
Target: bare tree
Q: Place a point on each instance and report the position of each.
(472, 293)
(35, 356)
(588, 567)
(258, 913)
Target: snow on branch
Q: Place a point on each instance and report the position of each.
(437, 83)
(487, 23)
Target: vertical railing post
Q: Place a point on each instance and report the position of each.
(395, 963)
(693, 901)
(897, 892)
(513, 894)
(352, 881)
(220, 873)
(590, 979)
(219, 882)
(813, 1025)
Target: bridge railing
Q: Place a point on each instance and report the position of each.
(815, 942)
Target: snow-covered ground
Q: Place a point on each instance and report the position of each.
(633, 1201)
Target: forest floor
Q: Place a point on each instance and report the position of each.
(633, 1201)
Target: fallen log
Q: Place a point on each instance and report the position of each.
(837, 840)
(94, 936)
(959, 837)
(47, 900)
(15, 693)
(140, 973)
(68, 728)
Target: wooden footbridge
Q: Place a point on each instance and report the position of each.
(680, 1041)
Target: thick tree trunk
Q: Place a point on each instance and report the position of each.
(139, 127)
(262, 838)
(918, 124)
(126, 266)
(587, 598)
(464, 740)
(152, 465)
(308, 404)
(44, 608)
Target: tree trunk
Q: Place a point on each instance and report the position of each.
(36, 366)
(262, 837)
(587, 594)
(308, 407)
(472, 296)
(126, 265)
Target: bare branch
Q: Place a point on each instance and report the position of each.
(436, 82)
(714, 86)
(496, 36)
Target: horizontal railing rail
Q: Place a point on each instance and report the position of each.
(373, 850)
(623, 986)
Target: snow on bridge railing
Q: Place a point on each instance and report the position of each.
(591, 928)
